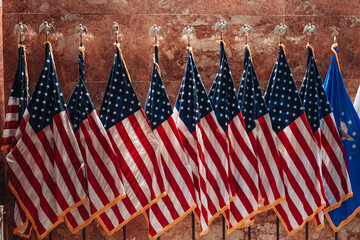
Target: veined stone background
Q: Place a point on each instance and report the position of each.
(135, 18)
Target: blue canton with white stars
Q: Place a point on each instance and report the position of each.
(47, 99)
(19, 88)
(312, 94)
(252, 103)
(281, 96)
(80, 105)
(222, 94)
(192, 102)
(157, 107)
(120, 100)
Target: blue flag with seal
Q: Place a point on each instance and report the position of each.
(348, 125)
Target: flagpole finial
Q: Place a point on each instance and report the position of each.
(281, 30)
(156, 30)
(245, 29)
(115, 30)
(189, 32)
(47, 27)
(310, 29)
(335, 32)
(81, 29)
(22, 28)
(222, 25)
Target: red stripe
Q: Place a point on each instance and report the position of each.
(13, 109)
(8, 141)
(11, 125)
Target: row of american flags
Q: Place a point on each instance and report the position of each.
(228, 152)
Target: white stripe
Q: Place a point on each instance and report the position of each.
(14, 101)
(10, 132)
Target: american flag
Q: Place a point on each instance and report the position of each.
(243, 163)
(46, 168)
(205, 145)
(103, 173)
(262, 137)
(180, 199)
(134, 143)
(16, 106)
(320, 116)
(17, 102)
(297, 147)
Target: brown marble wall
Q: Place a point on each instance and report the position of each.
(135, 17)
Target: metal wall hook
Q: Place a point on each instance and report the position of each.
(22, 28)
(156, 30)
(115, 30)
(189, 32)
(81, 30)
(335, 32)
(281, 30)
(310, 29)
(222, 25)
(47, 27)
(245, 29)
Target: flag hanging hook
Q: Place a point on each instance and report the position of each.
(22, 28)
(335, 32)
(115, 30)
(222, 25)
(245, 29)
(81, 29)
(310, 29)
(47, 27)
(281, 29)
(156, 30)
(188, 32)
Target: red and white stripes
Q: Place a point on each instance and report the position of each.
(45, 173)
(244, 177)
(136, 146)
(212, 170)
(302, 176)
(11, 123)
(263, 138)
(180, 199)
(104, 179)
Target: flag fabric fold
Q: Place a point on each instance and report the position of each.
(180, 199)
(262, 137)
(348, 126)
(243, 165)
(135, 144)
(103, 173)
(205, 146)
(45, 168)
(297, 147)
(332, 153)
